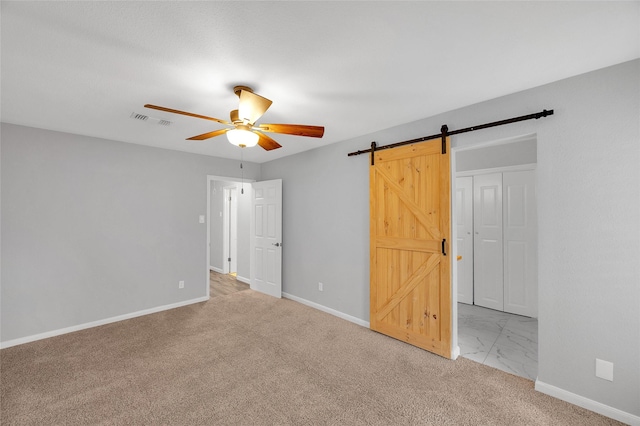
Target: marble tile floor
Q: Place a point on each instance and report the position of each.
(504, 341)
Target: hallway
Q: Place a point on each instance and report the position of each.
(223, 284)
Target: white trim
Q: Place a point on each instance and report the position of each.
(243, 279)
(214, 269)
(516, 168)
(92, 324)
(228, 223)
(209, 267)
(455, 353)
(587, 403)
(226, 194)
(327, 310)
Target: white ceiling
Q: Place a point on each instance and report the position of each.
(353, 67)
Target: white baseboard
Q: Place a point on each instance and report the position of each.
(53, 333)
(327, 310)
(587, 403)
(214, 269)
(455, 353)
(243, 279)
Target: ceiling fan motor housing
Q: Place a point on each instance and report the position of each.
(238, 89)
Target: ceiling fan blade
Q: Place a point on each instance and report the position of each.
(294, 129)
(190, 114)
(252, 106)
(266, 142)
(207, 135)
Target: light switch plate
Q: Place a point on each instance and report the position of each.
(201, 218)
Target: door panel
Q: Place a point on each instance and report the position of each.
(520, 244)
(266, 237)
(464, 228)
(409, 218)
(488, 265)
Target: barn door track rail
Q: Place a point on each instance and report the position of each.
(444, 132)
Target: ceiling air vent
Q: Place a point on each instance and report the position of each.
(150, 120)
(140, 117)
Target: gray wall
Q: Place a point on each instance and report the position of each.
(588, 186)
(325, 213)
(489, 157)
(93, 229)
(244, 217)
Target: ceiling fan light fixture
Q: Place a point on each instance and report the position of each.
(242, 138)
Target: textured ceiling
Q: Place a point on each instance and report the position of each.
(353, 67)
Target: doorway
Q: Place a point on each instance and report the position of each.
(228, 230)
(485, 333)
(258, 232)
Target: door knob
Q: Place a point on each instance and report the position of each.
(276, 244)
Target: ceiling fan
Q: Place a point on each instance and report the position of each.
(243, 130)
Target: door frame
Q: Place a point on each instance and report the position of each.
(455, 348)
(229, 228)
(210, 180)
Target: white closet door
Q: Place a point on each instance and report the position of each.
(487, 260)
(464, 228)
(520, 243)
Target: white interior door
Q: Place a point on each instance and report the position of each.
(488, 289)
(520, 243)
(464, 228)
(266, 237)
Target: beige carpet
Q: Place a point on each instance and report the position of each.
(249, 359)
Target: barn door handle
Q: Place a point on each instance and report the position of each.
(444, 243)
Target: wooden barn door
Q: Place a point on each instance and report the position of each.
(410, 226)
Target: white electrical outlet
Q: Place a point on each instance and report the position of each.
(180, 284)
(604, 369)
(320, 286)
(201, 218)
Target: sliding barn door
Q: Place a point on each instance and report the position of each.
(410, 285)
